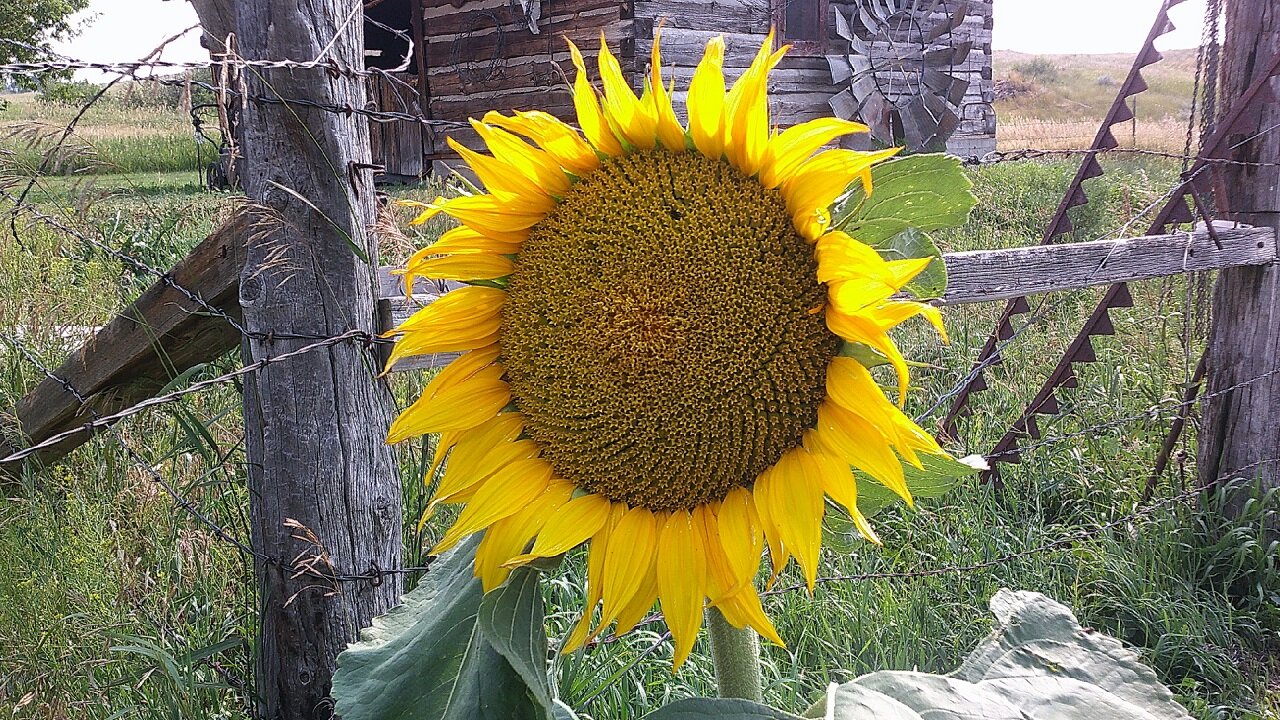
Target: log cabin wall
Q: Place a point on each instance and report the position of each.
(483, 55)
(802, 84)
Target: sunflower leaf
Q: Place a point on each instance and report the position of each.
(427, 658)
(925, 192)
(717, 709)
(1039, 664)
(910, 197)
(939, 475)
(511, 618)
(910, 244)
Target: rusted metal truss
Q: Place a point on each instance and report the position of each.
(1197, 182)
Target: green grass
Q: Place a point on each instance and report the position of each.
(110, 139)
(116, 603)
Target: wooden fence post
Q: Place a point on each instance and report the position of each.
(315, 424)
(1240, 430)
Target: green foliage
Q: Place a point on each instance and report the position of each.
(910, 197)
(1040, 69)
(34, 23)
(69, 93)
(433, 657)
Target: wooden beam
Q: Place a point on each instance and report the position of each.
(986, 275)
(163, 333)
(159, 335)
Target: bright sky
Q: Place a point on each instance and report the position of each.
(125, 30)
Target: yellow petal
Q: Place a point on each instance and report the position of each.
(818, 181)
(894, 312)
(510, 536)
(502, 495)
(795, 500)
(572, 525)
(794, 145)
(747, 111)
(481, 452)
(552, 135)
(635, 610)
(857, 441)
(744, 610)
(464, 319)
(502, 177)
(499, 217)
(682, 577)
(705, 101)
(632, 544)
(464, 267)
(591, 117)
(863, 329)
(670, 132)
(760, 494)
(636, 121)
(528, 162)
(466, 405)
(840, 485)
(740, 534)
(596, 556)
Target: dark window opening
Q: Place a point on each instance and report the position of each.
(388, 27)
(802, 24)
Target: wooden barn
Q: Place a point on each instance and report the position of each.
(917, 71)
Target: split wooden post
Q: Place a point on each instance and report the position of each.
(323, 486)
(1240, 429)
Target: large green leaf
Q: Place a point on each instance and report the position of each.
(511, 619)
(1039, 664)
(937, 478)
(717, 709)
(427, 658)
(925, 192)
(910, 197)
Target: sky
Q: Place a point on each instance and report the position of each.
(124, 30)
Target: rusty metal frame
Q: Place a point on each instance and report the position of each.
(1175, 211)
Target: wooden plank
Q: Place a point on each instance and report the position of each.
(985, 275)
(155, 338)
(122, 364)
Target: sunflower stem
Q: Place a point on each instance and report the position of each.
(735, 652)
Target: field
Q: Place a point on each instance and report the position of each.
(114, 602)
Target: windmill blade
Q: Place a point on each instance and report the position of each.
(842, 24)
(840, 69)
(954, 21)
(872, 23)
(877, 114)
(843, 105)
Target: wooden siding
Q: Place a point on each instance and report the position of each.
(482, 56)
(802, 85)
(399, 145)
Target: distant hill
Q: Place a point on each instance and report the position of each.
(1079, 87)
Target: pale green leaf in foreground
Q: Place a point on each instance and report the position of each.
(428, 659)
(1039, 664)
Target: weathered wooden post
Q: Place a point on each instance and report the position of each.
(1240, 431)
(314, 424)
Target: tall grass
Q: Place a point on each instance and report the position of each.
(116, 603)
(110, 139)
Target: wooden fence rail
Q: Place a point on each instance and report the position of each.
(164, 333)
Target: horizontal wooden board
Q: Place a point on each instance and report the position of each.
(991, 275)
(985, 275)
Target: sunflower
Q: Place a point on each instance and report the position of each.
(651, 333)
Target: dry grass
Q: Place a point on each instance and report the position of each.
(1166, 135)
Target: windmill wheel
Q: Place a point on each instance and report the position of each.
(899, 78)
